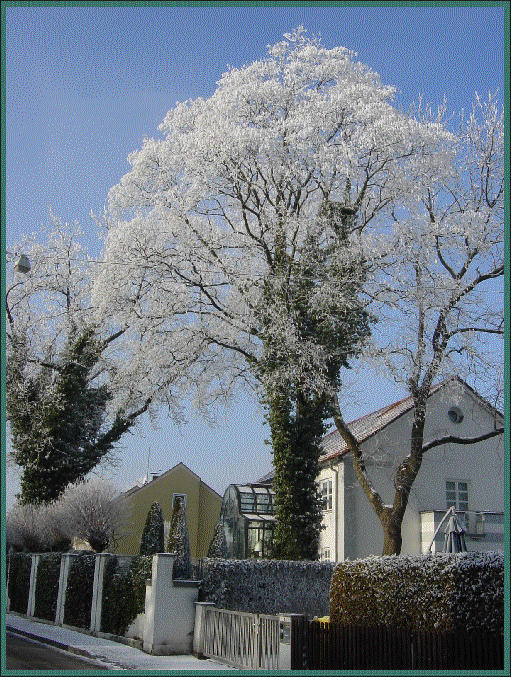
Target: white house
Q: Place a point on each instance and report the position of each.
(471, 477)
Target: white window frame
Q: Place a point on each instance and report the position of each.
(460, 496)
(326, 491)
(174, 496)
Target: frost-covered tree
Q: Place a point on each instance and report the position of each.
(440, 298)
(152, 541)
(179, 541)
(218, 546)
(69, 400)
(91, 512)
(229, 256)
(26, 529)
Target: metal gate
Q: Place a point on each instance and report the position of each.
(241, 639)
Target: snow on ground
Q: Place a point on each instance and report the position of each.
(114, 654)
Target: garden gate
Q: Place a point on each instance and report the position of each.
(241, 639)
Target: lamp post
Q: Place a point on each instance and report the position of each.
(22, 265)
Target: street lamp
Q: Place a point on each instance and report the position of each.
(22, 265)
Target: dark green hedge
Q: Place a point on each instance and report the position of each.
(118, 607)
(79, 591)
(20, 565)
(441, 592)
(124, 593)
(141, 569)
(47, 586)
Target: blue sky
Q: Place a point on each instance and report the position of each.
(85, 85)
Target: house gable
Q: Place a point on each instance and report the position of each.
(202, 507)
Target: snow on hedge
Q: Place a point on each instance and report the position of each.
(443, 592)
(267, 586)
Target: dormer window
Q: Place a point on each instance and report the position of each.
(455, 415)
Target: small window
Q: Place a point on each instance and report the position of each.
(325, 489)
(176, 497)
(455, 415)
(456, 495)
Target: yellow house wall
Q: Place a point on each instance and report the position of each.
(178, 480)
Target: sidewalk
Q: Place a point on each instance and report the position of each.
(118, 656)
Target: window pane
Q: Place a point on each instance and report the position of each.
(463, 506)
(450, 486)
(462, 486)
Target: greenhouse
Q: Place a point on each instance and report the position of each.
(248, 518)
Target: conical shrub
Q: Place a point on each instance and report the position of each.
(152, 540)
(179, 541)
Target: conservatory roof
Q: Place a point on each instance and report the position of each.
(259, 517)
(253, 489)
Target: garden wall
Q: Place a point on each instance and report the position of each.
(267, 586)
(107, 595)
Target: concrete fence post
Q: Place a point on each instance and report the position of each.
(198, 630)
(65, 563)
(97, 590)
(33, 580)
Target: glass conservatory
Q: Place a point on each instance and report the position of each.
(248, 518)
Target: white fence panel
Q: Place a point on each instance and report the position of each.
(241, 639)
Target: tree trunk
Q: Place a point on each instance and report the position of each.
(296, 434)
(392, 539)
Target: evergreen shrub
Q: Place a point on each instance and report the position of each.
(47, 586)
(152, 540)
(118, 608)
(267, 586)
(218, 545)
(124, 593)
(79, 591)
(141, 569)
(179, 542)
(441, 592)
(20, 565)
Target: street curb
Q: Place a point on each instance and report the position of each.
(53, 642)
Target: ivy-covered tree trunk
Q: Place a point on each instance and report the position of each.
(295, 439)
(297, 412)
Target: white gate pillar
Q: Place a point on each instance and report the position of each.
(169, 611)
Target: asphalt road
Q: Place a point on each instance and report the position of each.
(23, 653)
